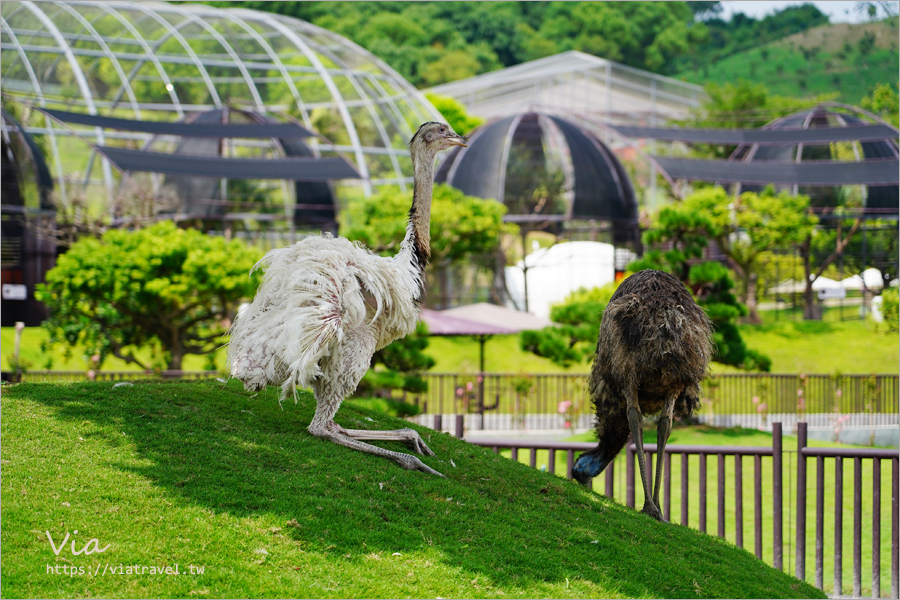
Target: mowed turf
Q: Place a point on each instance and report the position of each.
(203, 474)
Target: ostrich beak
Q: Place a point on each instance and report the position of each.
(458, 140)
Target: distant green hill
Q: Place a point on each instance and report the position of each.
(845, 58)
(205, 475)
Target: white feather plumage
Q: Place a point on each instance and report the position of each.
(326, 305)
(312, 294)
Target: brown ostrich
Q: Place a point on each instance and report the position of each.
(654, 347)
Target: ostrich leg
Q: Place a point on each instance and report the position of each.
(339, 379)
(323, 426)
(663, 429)
(634, 422)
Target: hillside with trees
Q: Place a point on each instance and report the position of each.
(846, 60)
(435, 42)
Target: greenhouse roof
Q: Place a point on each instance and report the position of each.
(160, 62)
(575, 82)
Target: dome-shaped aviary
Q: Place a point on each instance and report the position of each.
(883, 199)
(576, 176)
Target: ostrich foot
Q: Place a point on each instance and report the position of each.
(410, 437)
(651, 510)
(337, 434)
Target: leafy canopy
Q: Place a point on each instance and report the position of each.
(455, 113)
(574, 338)
(746, 227)
(168, 288)
(462, 227)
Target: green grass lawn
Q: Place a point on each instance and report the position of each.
(825, 346)
(202, 474)
(709, 436)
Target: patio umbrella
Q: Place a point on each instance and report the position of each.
(491, 314)
(480, 321)
(441, 323)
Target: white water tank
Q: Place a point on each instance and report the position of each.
(557, 271)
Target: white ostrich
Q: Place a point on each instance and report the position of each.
(326, 305)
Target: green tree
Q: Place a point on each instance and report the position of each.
(171, 289)
(431, 42)
(676, 241)
(574, 338)
(883, 101)
(821, 249)
(450, 66)
(462, 227)
(455, 113)
(889, 308)
(749, 225)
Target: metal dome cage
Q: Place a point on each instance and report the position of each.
(876, 200)
(149, 62)
(549, 172)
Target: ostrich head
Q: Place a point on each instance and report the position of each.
(612, 436)
(433, 137)
(587, 466)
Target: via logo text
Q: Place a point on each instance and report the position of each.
(87, 549)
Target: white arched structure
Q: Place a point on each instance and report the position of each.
(159, 61)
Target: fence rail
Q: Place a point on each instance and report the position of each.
(63, 376)
(771, 508)
(760, 394)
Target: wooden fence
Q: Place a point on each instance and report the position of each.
(763, 394)
(805, 504)
(65, 376)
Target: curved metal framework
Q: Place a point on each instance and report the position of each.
(869, 164)
(157, 61)
(574, 82)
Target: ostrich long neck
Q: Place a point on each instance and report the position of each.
(415, 247)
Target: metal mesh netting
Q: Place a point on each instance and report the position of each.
(153, 61)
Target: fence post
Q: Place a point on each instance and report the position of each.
(684, 489)
(721, 490)
(777, 482)
(876, 528)
(820, 522)
(757, 505)
(702, 523)
(895, 526)
(838, 525)
(857, 526)
(738, 501)
(460, 420)
(800, 562)
(438, 423)
(610, 474)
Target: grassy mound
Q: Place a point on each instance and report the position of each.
(203, 476)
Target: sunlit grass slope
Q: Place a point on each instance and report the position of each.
(205, 474)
